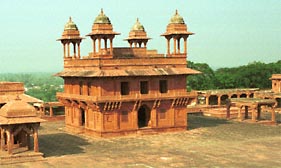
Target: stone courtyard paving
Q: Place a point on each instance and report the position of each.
(210, 142)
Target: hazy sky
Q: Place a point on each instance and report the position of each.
(228, 32)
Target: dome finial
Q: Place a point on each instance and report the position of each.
(70, 19)
(176, 12)
(101, 11)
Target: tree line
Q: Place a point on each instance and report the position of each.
(252, 75)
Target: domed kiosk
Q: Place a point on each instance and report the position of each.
(137, 35)
(102, 29)
(176, 30)
(71, 35)
(18, 122)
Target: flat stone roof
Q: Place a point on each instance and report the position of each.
(225, 91)
(252, 100)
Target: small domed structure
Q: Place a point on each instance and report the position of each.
(70, 34)
(18, 121)
(176, 30)
(102, 29)
(137, 35)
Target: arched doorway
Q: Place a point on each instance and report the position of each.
(143, 116)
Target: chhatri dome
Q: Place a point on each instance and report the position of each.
(102, 19)
(177, 19)
(70, 25)
(137, 35)
(137, 26)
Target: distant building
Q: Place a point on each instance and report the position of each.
(128, 90)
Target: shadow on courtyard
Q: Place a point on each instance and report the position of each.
(195, 121)
(61, 144)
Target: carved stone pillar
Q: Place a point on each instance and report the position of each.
(219, 100)
(64, 52)
(9, 142)
(168, 46)
(179, 44)
(99, 45)
(111, 45)
(153, 118)
(51, 111)
(185, 45)
(79, 56)
(239, 113)
(207, 100)
(74, 49)
(105, 44)
(35, 139)
(175, 45)
(68, 50)
(273, 118)
(2, 139)
(94, 46)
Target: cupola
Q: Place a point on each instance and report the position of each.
(71, 35)
(102, 30)
(137, 35)
(177, 29)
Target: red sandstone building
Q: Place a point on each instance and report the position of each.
(118, 91)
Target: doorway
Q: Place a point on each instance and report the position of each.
(143, 116)
(82, 116)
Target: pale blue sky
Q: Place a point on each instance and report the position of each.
(228, 32)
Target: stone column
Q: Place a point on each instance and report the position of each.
(99, 45)
(51, 111)
(179, 44)
(64, 48)
(2, 139)
(273, 114)
(175, 45)
(111, 46)
(219, 100)
(9, 142)
(168, 46)
(74, 49)
(239, 113)
(105, 44)
(207, 100)
(153, 118)
(79, 50)
(254, 111)
(185, 45)
(228, 110)
(35, 138)
(94, 46)
(68, 50)
(135, 119)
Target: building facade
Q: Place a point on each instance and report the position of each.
(118, 91)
